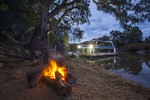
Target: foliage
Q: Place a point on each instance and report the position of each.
(52, 37)
(128, 12)
(17, 16)
(137, 46)
(143, 8)
(66, 39)
(67, 13)
(147, 39)
(130, 35)
(77, 34)
(117, 37)
(104, 38)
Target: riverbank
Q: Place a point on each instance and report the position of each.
(92, 83)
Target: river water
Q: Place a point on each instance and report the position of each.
(133, 66)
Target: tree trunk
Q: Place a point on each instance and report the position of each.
(36, 32)
(44, 23)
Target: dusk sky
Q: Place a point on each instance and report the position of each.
(101, 24)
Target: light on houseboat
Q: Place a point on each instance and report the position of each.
(79, 46)
(91, 46)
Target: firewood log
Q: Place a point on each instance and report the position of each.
(33, 76)
(63, 89)
(70, 79)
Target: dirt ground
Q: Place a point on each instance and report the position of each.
(92, 83)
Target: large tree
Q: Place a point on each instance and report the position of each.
(133, 34)
(129, 35)
(116, 37)
(64, 12)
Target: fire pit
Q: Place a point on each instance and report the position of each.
(57, 76)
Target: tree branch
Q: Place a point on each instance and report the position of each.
(59, 8)
(51, 2)
(104, 2)
(107, 3)
(65, 13)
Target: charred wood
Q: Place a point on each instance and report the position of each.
(62, 88)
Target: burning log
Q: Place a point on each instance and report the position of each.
(56, 76)
(62, 88)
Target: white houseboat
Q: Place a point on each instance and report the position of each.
(96, 48)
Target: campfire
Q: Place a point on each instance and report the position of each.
(57, 76)
(52, 68)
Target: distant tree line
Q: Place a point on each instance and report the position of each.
(129, 35)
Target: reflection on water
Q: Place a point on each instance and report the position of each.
(130, 65)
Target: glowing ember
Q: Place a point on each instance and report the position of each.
(52, 68)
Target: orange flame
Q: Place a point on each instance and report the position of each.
(52, 68)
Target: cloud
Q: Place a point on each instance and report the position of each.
(145, 28)
(101, 24)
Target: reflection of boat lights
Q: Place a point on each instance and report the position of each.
(91, 46)
(79, 46)
(115, 60)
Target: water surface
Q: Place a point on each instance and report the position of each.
(133, 66)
